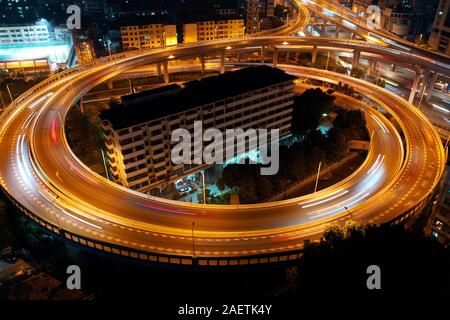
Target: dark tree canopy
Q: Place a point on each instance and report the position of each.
(308, 110)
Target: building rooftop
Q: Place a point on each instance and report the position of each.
(141, 108)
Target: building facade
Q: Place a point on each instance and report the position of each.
(440, 35)
(138, 134)
(253, 16)
(258, 13)
(148, 36)
(214, 29)
(25, 34)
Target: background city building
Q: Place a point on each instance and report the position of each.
(440, 35)
(138, 133)
(213, 29)
(34, 47)
(147, 36)
(406, 18)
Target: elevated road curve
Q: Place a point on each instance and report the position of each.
(47, 182)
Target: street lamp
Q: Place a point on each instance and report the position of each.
(109, 46)
(204, 186)
(317, 178)
(193, 240)
(9, 91)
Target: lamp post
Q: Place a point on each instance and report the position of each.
(204, 187)
(317, 178)
(104, 163)
(9, 91)
(193, 240)
(421, 97)
(109, 46)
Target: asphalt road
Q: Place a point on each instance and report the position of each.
(63, 191)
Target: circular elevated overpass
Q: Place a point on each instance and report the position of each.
(42, 176)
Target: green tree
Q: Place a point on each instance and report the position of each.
(308, 110)
(220, 184)
(337, 144)
(357, 73)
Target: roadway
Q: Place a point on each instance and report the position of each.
(39, 170)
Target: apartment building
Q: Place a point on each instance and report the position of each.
(213, 29)
(440, 35)
(253, 16)
(138, 133)
(257, 14)
(146, 36)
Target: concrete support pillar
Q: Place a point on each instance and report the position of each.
(262, 54)
(431, 85)
(338, 29)
(373, 66)
(314, 56)
(275, 57)
(166, 71)
(324, 27)
(423, 84)
(355, 61)
(158, 69)
(202, 61)
(287, 57)
(109, 83)
(370, 68)
(393, 67)
(222, 62)
(412, 95)
(239, 57)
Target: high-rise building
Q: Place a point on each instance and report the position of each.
(213, 29)
(440, 34)
(138, 133)
(257, 14)
(253, 16)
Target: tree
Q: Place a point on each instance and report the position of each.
(357, 73)
(337, 144)
(308, 110)
(231, 175)
(353, 123)
(220, 184)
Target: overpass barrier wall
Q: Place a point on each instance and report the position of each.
(148, 257)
